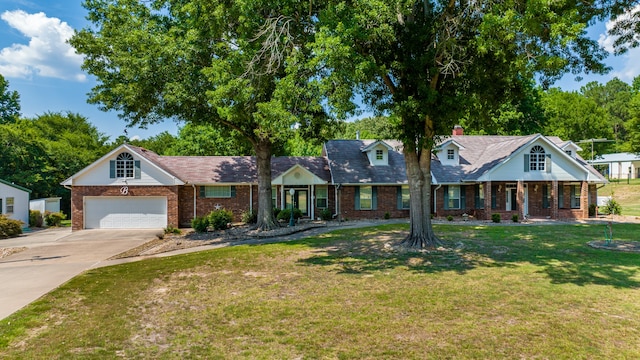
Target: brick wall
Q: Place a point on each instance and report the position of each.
(237, 204)
(387, 202)
(79, 192)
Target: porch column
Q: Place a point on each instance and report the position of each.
(584, 200)
(313, 203)
(487, 200)
(520, 199)
(282, 196)
(554, 199)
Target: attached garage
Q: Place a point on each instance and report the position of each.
(131, 212)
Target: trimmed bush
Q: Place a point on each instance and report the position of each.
(326, 214)
(200, 224)
(514, 218)
(220, 219)
(276, 211)
(592, 210)
(170, 229)
(449, 218)
(35, 218)
(286, 214)
(250, 217)
(387, 216)
(54, 218)
(612, 207)
(495, 218)
(9, 227)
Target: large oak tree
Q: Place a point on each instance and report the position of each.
(232, 64)
(428, 62)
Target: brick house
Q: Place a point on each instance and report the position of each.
(537, 176)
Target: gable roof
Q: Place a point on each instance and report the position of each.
(14, 186)
(237, 169)
(349, 165)
(482, 154)
(148, 155)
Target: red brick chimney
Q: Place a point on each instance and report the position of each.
(458, 130)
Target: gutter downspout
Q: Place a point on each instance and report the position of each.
(337, 214)
(195, 197)
(435, 191)
(251, 198)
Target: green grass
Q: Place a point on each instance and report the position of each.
(503, 292)
(628, 195)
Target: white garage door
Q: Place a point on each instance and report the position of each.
(135, 212)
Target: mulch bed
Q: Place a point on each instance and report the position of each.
(625, 246)
(189, 239)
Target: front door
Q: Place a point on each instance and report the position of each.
(300, 200)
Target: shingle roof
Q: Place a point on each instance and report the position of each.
(480, 154)
(349, 165)
(230, 169)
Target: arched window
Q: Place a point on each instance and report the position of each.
(124, 166)
(536, 158)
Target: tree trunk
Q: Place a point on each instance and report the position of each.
(266, 220)
(421, 234)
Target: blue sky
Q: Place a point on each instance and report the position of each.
(37, 62)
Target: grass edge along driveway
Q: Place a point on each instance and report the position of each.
(497, 292)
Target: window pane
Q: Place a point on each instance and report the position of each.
(365, 197)
(321, 197)
(218, 191)
(406, 197)
(379, 155)
(9, 205)
(454, 197)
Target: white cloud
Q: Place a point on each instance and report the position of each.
(134, 137)
(629, 65)
(48, 54)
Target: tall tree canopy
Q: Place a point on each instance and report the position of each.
(426, 61)
(9, 103)
(40, 153)
(232, 64)
(572, 116)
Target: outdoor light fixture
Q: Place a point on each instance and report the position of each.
(292, 192)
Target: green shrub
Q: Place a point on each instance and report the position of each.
(286, 214)
(449, 218)
(9, 227)
(200, 224)
(220, 219)
(276, 211)
(495, 218)
(250, 217)
(170, 229)
(54, 218)
(592, 210)
(387, 216)
(326, 214)
(35, 218)
(612, 207)
(514, 217)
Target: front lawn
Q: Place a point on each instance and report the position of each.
(500, 292)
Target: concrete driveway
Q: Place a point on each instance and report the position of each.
(53, 257)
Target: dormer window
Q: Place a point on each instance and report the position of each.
(537, 158)
(451, 154)
(378, 153)
(124, 166)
